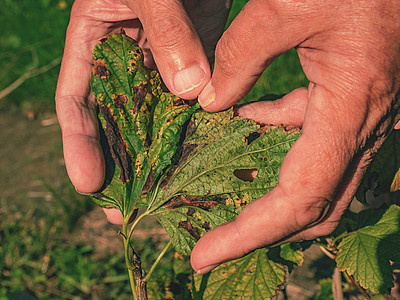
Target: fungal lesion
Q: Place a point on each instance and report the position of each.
(118, 148)
(194, 201)
(120, 100)
(188, 226)
(99, 69)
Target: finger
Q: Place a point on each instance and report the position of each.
(77, 115)
(261, 32)
(175, 46)
(287, 111)
(308, 179)
(114, 216)
(209, 18)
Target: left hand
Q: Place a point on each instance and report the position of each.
(178, 36)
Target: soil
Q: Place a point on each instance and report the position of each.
(30, 158)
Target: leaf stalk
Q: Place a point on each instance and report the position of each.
(155, 264)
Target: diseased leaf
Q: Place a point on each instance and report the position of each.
(192, 169)
(292, 252)
(383, 175)
(366, 252)
(254, 276)
(214, 179)
(186, 224)
(143, 125)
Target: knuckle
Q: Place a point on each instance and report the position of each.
(171, 30)
(228, 56)
(311, 212)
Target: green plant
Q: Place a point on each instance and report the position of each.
(190, 170)
(31, 49)
(37, 257)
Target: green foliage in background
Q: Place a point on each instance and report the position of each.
(33, 34)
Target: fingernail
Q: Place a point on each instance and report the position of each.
(207, 96)
(188, 79)
(83, 194)
(206, 269)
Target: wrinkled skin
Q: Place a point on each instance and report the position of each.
(175, 45)
(350, 52)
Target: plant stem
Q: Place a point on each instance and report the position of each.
(128, 261)
(327, 253)
(133, 284)
(353, 282)
(138, 219)
(133, 264)
(337, 285)
(160, 256)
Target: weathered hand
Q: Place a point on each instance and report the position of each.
(176, 46)
(350, 52)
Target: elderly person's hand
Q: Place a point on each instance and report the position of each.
(350, 52)
(177, 37)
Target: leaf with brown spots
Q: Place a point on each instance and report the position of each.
(222, 165)
(186, 224)
(254, 276)
(143, 125)
(218, 174)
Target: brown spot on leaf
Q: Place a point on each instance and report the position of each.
(190, 211)
(179, 102)
(148, 184)
(97, 195)
(203, 203)
(188, 226)
(103, 40)
(99, 69)
(147, 140)
(120, 100)
(139, 93)
(187, 149)
(206, 226)
(119, 151)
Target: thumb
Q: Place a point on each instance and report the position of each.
(261, 32)
(308, 180)
(175, 46)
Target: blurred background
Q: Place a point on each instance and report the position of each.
(54, 243)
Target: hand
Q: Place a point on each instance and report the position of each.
(167, 34)
(350, 52)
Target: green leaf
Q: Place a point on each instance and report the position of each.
(142, 124)
(215, 165)
(185, 225)
(211, 184)
(383, 175)
(366, 252)
(254, 276)
(292, 252)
